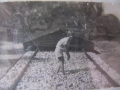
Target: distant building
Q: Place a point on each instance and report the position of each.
(48, 42)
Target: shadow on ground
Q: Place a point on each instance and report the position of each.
(77, 70)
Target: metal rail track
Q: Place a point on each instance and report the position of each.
(98, 67)
(3, 81)
(112, 82)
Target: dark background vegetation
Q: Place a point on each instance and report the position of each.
(85, 17)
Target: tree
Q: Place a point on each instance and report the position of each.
(109, 25)
(41, 16)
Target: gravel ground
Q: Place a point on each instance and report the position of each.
(9, 54)
(13, 74)
(80, 74)
(110, 52)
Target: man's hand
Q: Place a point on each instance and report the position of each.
(68, 57)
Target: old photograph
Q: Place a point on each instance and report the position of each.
(60, 45)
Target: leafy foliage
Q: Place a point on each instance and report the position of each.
(41, 16)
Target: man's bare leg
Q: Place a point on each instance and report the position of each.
(61, 61)
(62, 65)
(59, 66)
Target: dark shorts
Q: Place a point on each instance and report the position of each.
(61, 58)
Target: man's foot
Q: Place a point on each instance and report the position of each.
(58, 71)
(63, 73)
(67, 72)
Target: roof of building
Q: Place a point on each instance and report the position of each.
(32, 36)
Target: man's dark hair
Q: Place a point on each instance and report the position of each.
(70, 33)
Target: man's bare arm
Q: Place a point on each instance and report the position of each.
(66, 48)
(67, 52)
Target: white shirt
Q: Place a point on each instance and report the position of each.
(60, 47)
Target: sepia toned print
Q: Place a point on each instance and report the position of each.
(59, 45)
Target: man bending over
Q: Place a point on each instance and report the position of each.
(62, 46)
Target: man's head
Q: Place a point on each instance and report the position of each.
(70, 34)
